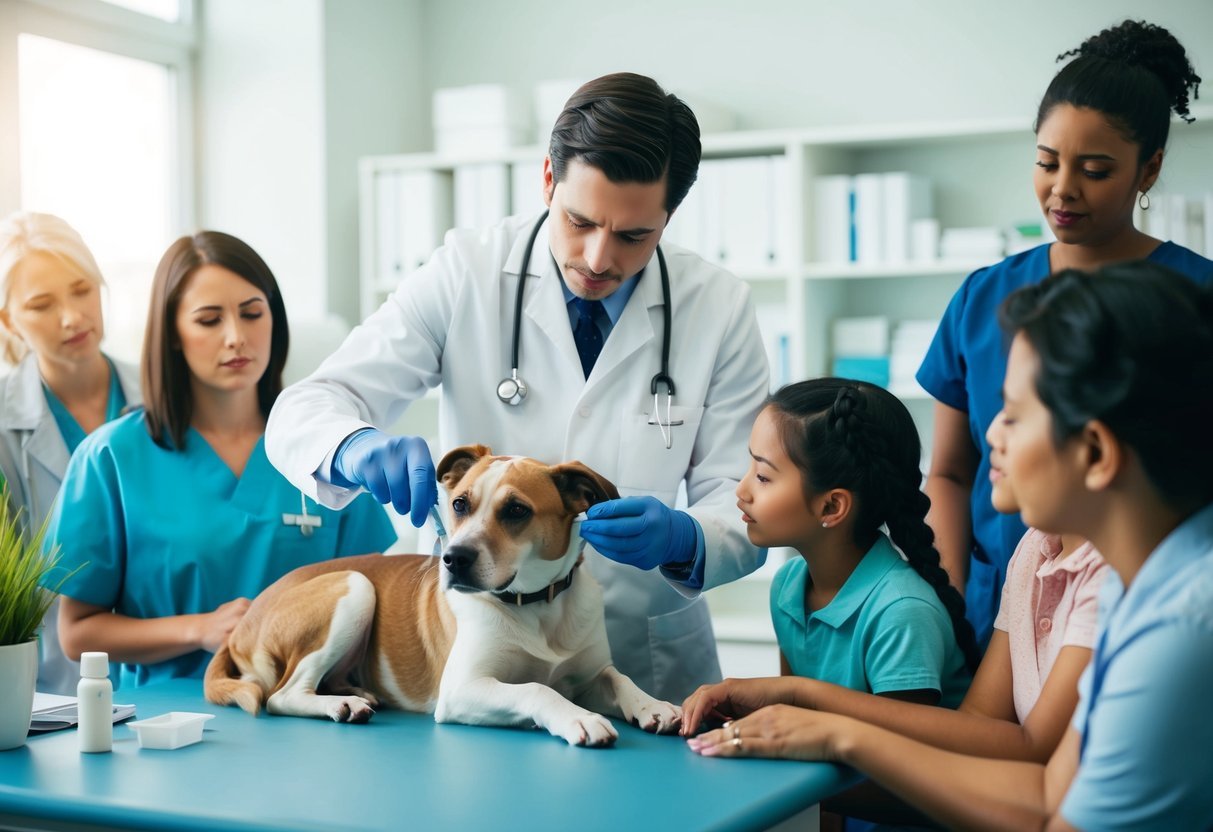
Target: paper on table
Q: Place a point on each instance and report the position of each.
(52, 712)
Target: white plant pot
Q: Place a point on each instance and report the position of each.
(18, 674)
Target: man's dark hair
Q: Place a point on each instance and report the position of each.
(632, 130)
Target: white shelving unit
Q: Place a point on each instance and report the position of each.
(980, 172)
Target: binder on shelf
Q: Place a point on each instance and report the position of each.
(869, 217)
(711, 221)
(686, 226)
(746, 206)
(389, 259)
(482, 194)
(907, 198)
(424, 215)
(779, 230)
(526, 188)
(832, 206)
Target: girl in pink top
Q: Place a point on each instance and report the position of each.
(1049, 603)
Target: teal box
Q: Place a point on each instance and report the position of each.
(872, 369)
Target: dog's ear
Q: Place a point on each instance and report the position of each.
(581, 487)
(457, 462)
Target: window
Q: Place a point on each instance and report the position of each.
(101, 128)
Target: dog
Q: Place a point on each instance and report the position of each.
(502, 629)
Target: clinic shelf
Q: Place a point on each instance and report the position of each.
(856, 271)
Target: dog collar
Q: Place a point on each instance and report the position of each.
(517, 599)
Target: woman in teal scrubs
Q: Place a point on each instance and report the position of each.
(60, 385)
(172, 515)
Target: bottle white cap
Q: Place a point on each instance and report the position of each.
(94, 665)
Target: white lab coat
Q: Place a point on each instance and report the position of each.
(33, 457)
(451, 323)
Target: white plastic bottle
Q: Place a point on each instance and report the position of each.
(96, 703)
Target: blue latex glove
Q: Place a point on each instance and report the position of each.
(641, 531)
(394, 469)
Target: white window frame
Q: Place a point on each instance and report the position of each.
(103, 26)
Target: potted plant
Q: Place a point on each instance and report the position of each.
(23, 603)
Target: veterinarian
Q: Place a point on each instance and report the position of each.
(645, 363)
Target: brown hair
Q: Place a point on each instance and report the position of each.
(167, 394)
(633, 131)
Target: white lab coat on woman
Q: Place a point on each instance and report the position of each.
(451, 323)
(33, 457)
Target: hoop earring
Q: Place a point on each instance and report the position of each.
(1143, 201)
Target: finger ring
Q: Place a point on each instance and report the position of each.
(737, 742)
(737, 734)
(727, 723)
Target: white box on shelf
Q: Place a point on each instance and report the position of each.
(833, 204)
(981, 244)
(869, 218)
(389, 260)
(480, 117)
(712, 117)
(550, 98)
(907, 198)
(861, 337)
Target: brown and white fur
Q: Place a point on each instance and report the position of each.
(335, 639)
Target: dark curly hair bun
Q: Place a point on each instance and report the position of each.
(1138, 43)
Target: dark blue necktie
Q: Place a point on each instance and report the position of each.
(586, 334)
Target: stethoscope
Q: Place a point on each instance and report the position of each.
(512, 390)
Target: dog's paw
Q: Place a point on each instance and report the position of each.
(588, 729)
(349, 709)
(658, 717)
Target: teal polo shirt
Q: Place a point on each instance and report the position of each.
(886, 630)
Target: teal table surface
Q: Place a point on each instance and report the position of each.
(399, 771)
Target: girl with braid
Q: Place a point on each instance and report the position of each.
(1101, 131)
(832, 462)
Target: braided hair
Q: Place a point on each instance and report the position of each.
(853, 435)
(1135, 74)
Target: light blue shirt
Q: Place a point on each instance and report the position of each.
(69, 428)
(156, 531)
(1146, 759)
(886, 630)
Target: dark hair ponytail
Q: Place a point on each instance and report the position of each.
(1135, 74)
(854, 435)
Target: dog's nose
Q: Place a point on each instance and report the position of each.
(459, 558)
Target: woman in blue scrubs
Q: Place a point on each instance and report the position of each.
(172, 515)
(60, 387)
(1100, 133)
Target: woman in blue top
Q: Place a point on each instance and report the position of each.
(173, 515)
(1100, 130)
(1106, 437)
(61, 386)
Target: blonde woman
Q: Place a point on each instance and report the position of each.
(59, 385)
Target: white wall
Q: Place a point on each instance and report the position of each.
(261, 137)
(374, 88)
(294, 91)
(784, 63)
